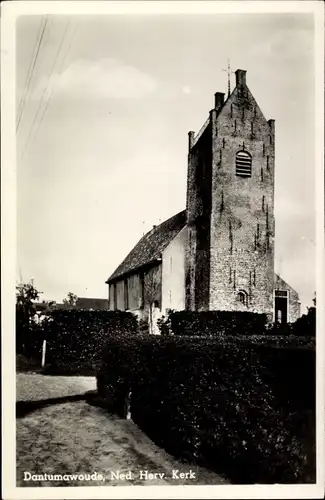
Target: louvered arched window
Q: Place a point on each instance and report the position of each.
(243, 164)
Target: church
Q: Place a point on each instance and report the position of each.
(218, 253)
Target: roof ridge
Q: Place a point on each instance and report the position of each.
(150, 246)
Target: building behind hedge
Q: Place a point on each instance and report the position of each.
(218, 254)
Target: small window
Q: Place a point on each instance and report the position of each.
(114, 297)
(243, 164)
(242, 298)
(126, 295)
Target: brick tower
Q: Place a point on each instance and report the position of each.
(230, 207)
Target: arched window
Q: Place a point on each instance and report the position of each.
(243, 164)
(242, 298)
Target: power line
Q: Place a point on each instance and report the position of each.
(31, 70)
(29, 73)
(69, 47)
(44, 91)
(51, 92)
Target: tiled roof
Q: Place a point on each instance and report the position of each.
(90, 303)
(62, 305)
(40, 306)
(151, 245)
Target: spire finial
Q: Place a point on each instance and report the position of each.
(228, 70)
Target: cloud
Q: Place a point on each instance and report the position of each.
(286, 44)
(107, 78)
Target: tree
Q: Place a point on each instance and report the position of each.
(306, 324)
(151, 295)
(26, 293)
(71, 299)
(314, 299)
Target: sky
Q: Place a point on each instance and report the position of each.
(103, 126)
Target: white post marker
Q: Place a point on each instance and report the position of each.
(43, 353)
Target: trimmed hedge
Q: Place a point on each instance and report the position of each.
(215, 323)
(212, 323)
(243, 410)
(75, 338)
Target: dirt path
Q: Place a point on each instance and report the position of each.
(36, 387)
(76, 438)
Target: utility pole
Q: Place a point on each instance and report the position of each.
(43, 353)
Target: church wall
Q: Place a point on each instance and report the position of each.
(152, 286)
(120, 295)
(138, 299)
(134, 292)
(242, 220)
(173, 273)
(198, 221)
(111, 296)
(294, 307)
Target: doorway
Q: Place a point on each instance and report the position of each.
(281, 306)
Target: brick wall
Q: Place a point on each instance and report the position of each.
(199, 197)
(242, 219)
(152, 291)
(241, 227)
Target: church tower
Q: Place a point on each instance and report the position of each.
(230, 207)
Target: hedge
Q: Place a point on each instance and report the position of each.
(240, 409)
(306, 324)
(75, 338)
(215, 323)
(212, 323)
(29, 340)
